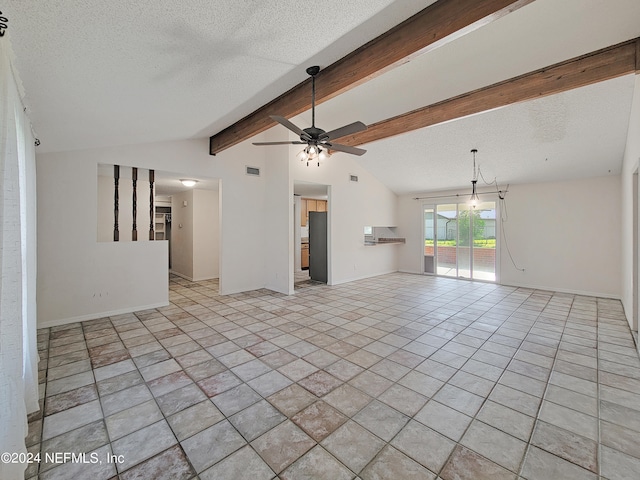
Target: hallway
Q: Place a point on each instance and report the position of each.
(396, 376)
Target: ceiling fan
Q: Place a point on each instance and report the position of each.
(317, 141)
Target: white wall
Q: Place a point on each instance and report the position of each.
(206, 234)
(566, 235)
(67, 226)
(243, 219)
(352, 206)
(256, 224)
(278, 227)
(80, 278)
(630, 165)
(182, 235)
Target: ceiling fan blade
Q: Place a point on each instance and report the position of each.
(350, 129)
(286, 123)
(279, 143)
(346, 149)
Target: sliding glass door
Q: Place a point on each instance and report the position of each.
(460, 241)
(484, 241)
(446, 240)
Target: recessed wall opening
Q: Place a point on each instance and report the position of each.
(143, 205)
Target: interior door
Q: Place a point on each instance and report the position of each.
(318, 246)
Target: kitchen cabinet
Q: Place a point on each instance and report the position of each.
(310, 205)
(304, 214)
(304, 256)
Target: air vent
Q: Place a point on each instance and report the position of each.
(353, 178)
(255, 171)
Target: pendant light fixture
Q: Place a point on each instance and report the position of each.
(474, 200)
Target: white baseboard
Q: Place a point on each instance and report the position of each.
(362, 277)
(533, 287)
(192, 279)
(94, 316)
(570, 291)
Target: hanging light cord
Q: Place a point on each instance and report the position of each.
(504, 216)
(493, 182)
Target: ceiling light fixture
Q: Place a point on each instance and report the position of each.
(188, 183)
(474, 200)
(312, 154)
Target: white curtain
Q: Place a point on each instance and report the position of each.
(18, 349)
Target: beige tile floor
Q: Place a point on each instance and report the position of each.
(394, 377)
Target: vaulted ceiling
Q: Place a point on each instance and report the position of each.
(100, 74)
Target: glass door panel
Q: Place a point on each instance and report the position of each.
(460, 241)
(484, 241)
(446, 240)
(465, 226)
(429, 240)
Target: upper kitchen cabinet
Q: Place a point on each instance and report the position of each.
(310, 205)
(303, 212)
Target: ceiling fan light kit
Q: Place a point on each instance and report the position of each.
(312, 154)
(318, 142)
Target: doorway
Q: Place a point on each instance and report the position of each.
(460, 241)
(310, 198)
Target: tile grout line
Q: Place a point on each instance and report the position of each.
(155, 399)
(497, 382)
(387, 313)
(458, 370)
(536, 419)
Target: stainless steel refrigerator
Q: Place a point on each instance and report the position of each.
(318, 246)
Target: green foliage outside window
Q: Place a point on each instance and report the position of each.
(463, 232)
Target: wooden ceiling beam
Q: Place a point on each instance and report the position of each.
(436, 25)
(598, 66)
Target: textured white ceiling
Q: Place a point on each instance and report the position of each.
(115, 73)
(543, 33)
(582, 133)
(577, 134)
(123, 72)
